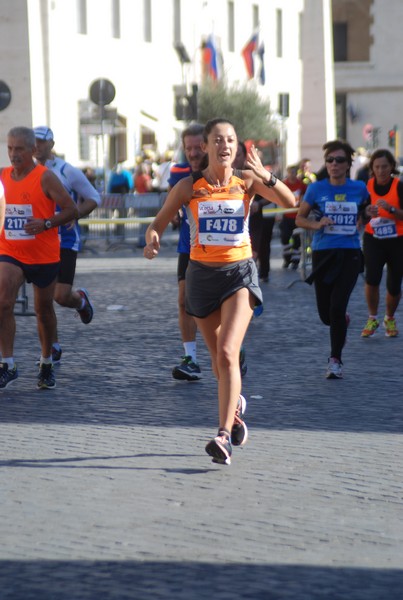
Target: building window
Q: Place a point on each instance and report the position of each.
(177, 21)
(116, 18)
(231, 27)
(352, 25)
(279, 33)
(340, 42)
(147, 21)
(341, 119)
(82, 16)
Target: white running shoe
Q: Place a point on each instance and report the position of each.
(334, 369)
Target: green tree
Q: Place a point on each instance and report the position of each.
(242, 105)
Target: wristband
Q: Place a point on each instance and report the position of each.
(272, 182)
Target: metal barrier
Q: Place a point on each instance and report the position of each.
(121, 219)
(306, 253)
(306, 243)
(306, 250)
(22, 300)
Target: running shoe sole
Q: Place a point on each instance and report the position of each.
(239, 430)
(9, 383)
(44, 386)
(242, 400)
(178, 374)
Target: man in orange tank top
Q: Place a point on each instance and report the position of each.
(30, 249)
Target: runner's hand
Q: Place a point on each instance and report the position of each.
(253, 162)
(150, 251)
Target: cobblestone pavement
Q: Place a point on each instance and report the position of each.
(106, 491)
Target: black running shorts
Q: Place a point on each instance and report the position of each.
(39, 275)
(183, 261)
(67, 271)
(207, 287)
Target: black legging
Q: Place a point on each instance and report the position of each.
(333, 287)
(381, 252)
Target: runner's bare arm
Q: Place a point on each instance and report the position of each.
(302, 220)
(180, 194)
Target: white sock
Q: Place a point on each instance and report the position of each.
(9, 360)
(190, 350)
(46, 361)
(56, 346)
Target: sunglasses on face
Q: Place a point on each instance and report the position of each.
(338, 159)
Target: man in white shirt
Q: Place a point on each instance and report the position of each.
(87, 199)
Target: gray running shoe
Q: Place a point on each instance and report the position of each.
(46, 377)
(188, 370)
(87, 312)
(7, 375)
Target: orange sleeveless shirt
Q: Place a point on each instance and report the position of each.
(388, 224)
(25, 198)
(219, 221)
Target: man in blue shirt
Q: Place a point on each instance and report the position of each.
(192, 138)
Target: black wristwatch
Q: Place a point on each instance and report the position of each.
(392, 210)
(272, 182)
(47, 224)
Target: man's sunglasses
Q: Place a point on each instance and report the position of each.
(338, 159)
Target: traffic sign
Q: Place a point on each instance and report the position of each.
(5, 95)
(102, 92)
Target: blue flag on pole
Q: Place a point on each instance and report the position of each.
(262, 73)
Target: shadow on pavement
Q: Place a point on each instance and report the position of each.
(148, 580)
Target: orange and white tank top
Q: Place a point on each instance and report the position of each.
(25, 198)
(385, 225)
(219, 220)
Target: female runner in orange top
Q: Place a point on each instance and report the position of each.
(221, 282)
(383, 242)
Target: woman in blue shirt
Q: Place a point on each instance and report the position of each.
(337, 204)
